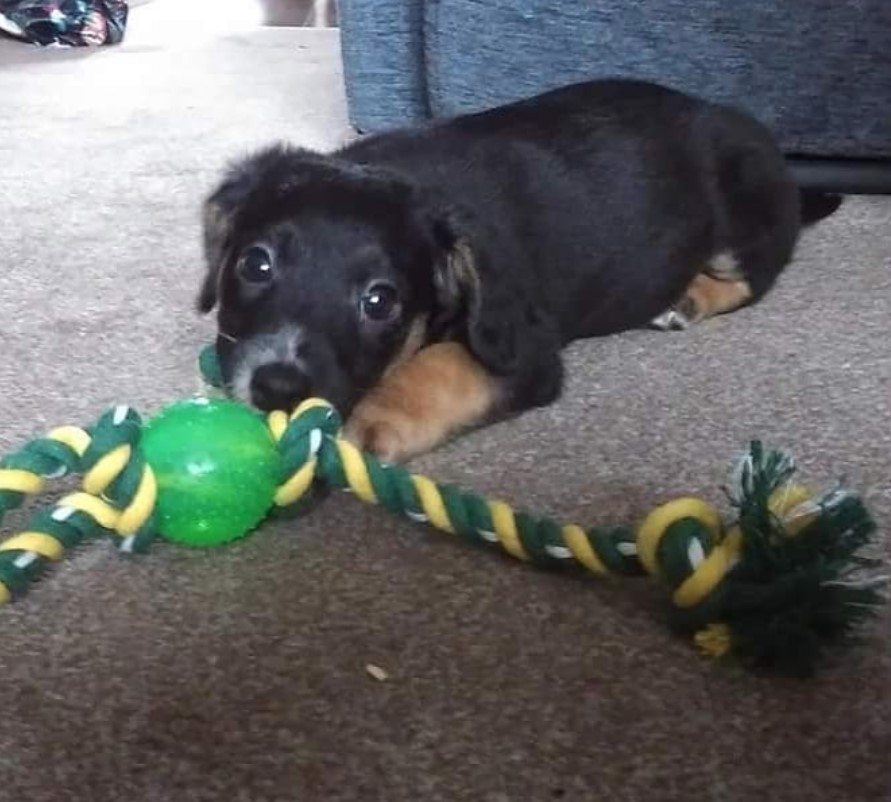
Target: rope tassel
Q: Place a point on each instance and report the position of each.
(778, 588)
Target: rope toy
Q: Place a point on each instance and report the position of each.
(777, 589)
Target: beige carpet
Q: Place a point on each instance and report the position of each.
(239, 674)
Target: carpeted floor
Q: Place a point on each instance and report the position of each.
(239, 674)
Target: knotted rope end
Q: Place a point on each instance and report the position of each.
(783, 587)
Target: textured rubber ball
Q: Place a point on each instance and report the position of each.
(217, 469)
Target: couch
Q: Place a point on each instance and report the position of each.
(817, 71)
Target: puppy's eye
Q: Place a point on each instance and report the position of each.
(380, 302)
(255, 265)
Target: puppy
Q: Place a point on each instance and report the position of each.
(425, 281)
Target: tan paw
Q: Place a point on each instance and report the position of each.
(438, 392)
(379, 432)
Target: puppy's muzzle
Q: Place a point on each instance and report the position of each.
(278, 385)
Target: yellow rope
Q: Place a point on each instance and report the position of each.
(20, 481)
(710, 572)
(39, 542)
(432, 503)
(292, 490)
(106, 470)
(714, 640)
(140, 509)
(506, 529)
(74, 437)
(356, 471)
(660, 519)
(98, 509)
(576, 540)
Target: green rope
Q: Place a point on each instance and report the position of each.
(52, 530)
(794, 586)
(315, 434)
(777, 589)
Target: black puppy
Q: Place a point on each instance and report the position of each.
(426, 280)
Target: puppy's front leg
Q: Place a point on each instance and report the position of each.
(423, 401)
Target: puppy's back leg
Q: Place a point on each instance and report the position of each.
(722, 287)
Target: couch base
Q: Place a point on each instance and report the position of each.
(845, 176)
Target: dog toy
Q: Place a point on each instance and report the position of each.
(777, 589)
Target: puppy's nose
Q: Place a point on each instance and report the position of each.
(278, 385)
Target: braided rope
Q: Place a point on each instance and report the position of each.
(776, 588)
(750, 589)
(682, 541)
(117, 497)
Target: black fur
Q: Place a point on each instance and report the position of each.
(581, 212)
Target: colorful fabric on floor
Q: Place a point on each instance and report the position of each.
(65, 23)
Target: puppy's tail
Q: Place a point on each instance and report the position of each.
(817, 205)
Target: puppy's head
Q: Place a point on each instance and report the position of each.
(324, 274)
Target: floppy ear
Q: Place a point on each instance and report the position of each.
(218, 222)
(222, 207)
(485, 306)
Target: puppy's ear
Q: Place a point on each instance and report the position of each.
(220, 212)
(485, 308)
(218, 222)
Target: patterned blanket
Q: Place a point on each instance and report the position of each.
(65, 23)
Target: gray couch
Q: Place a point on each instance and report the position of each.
(817, 71)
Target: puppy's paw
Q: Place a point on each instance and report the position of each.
(705, 297)
(681, 316)
(418, 406)
(673, 319)
(380, 432)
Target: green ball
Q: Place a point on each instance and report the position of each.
(217, 469)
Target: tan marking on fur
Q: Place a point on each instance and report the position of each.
(441, 390)
(460, 275)
(708, 296)
(462, 263)
(724, 266)
(413, 342)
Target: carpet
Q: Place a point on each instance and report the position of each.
(240, 673)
